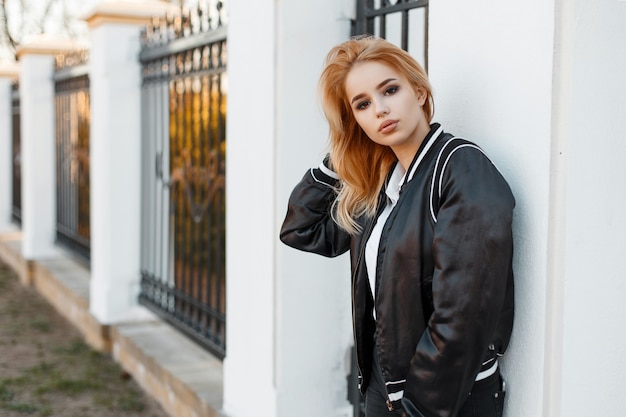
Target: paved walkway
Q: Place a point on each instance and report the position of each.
(185, 379)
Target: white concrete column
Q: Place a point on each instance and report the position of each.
(38, 145)
(115, 156)
(250, 363)
(288, 312)
(587, 292)
(8, 73)
(313, 321)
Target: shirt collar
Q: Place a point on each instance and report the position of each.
(395, 182)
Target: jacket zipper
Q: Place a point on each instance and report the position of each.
(389, 405)
(366, 235)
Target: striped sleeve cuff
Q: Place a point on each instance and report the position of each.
(326, 170)
(325, 175)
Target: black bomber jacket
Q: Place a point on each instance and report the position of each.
(444, 292)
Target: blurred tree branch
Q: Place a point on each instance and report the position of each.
(18, 19)
(5, 33)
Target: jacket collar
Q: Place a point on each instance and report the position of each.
(435, 131)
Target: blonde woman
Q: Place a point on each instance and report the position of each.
(427, 218)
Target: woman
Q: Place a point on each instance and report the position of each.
(427, 220)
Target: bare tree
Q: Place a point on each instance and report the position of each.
(22, 18)
(6, 37)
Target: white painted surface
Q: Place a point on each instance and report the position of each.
(38, 156)
(289, 326)
(313, 316)
(491, 68)
(594, 289)
(249, 367)
(6, 153)
(115, 153)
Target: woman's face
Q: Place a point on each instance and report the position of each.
(387, 108)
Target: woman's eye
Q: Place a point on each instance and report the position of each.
(391, 90)
(362, 105)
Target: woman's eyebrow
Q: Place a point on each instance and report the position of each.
(382, 84)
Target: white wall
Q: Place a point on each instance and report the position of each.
(491, 68)
(313, 318)
(289, 326)
(249, 389)
(593, 287)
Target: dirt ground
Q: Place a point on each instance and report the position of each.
(47, 370)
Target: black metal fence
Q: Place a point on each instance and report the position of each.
(403, 22)
(16, 212)
(72, 120)
(183, 273)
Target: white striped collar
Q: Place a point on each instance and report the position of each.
(424, 151)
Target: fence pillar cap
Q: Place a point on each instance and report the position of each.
(47, 45)
(126, 12)
(9, 69)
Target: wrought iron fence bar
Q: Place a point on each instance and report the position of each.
(71, 72)
(182, 272)
(15, 95)
(72, 160)
(192, 301)
(220, 267)
(183, 44)
(382, 25)
(195, 74)
(147, 179)
(404, 43)
(368, 15)
(16, 211)
(370, 12)
(166, 308)
(426, 31)
(71, 234)
(216, 347)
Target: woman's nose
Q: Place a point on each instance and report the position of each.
(381, 109)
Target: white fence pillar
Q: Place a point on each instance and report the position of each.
(38, 145)
(8, 73)
(288, 312)
(115, 156)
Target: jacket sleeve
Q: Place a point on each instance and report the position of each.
(472, 249)
(308, 225)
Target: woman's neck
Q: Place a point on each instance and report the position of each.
(405, 152)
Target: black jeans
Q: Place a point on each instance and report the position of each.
(376, 394)
(485, 400)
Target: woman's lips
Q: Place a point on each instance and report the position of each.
(388, 126)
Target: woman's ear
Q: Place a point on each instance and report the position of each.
(420, 94)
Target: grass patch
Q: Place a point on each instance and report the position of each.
(5, 394)
(46, 368)
(5, 276)
(126, 401)
(22, 408)
(40, 324)
(74, 370)
(10, 402)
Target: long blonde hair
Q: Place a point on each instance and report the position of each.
(361, 164)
